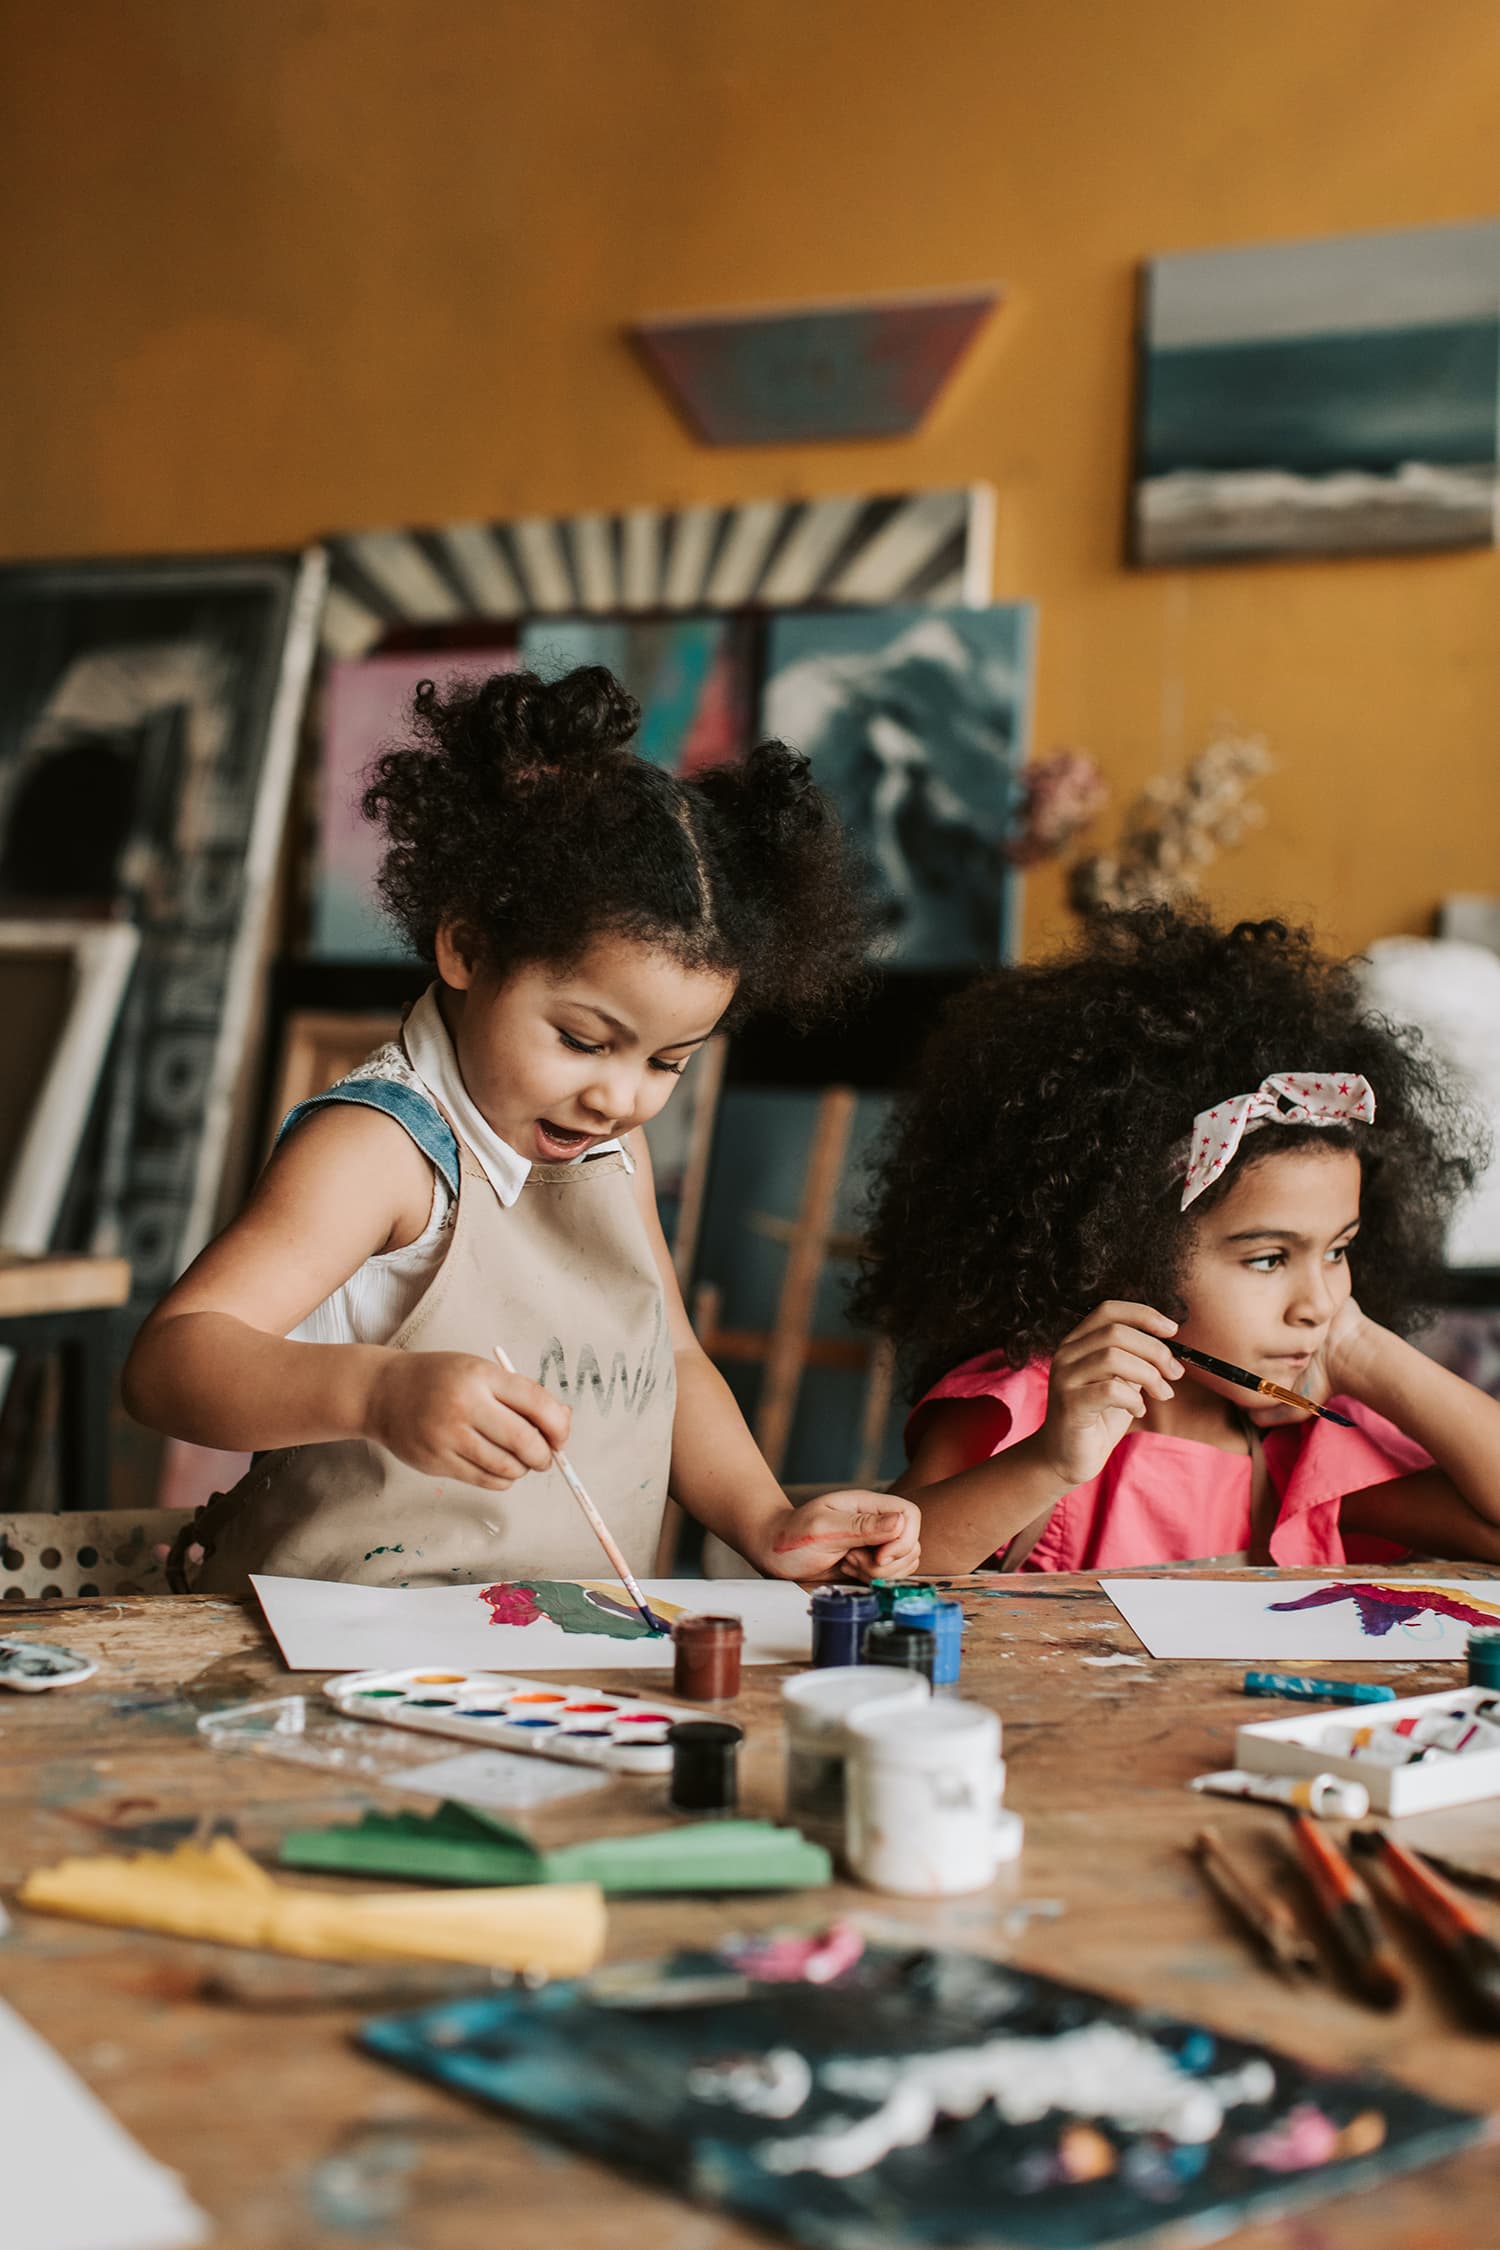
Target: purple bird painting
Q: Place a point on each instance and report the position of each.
(1381, 1605)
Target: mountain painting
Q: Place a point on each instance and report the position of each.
(1320, 398)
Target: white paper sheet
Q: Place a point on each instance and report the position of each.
(74, 2179)
(1349, 1620)
(324, 1626)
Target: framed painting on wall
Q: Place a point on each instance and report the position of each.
(367, 706)
(61, 986)
(850, 549)
(1320, 398)
(692, 677)
(148, 723)
(916, 723)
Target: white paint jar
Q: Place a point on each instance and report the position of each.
(923, 1815)
(816, 1707)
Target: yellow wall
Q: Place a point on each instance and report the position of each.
(275, 266)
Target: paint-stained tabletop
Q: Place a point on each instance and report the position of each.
(239, 2069)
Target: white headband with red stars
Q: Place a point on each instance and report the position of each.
(1304, 1098)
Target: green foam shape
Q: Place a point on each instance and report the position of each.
(457, 1844)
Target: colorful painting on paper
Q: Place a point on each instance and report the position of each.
(915, 722)
(926, 2098)
(690, 676)
(572, 1606)
(789, 377)
(518, 1625)
(1321, 398)
(367, 706)
(1343, 1620)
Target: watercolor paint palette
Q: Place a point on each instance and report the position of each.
(501, 1711)
(933, 2098)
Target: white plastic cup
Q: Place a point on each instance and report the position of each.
(924, 1786)
(816, 1706)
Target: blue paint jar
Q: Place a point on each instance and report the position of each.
(841, 1616)
(944, 1620)
(947, 1659)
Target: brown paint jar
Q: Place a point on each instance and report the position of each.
(707, 1668)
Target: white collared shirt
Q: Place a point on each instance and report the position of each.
(371, 1305)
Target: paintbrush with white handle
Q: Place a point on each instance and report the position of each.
(597, 1523)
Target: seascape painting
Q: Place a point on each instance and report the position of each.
(915, 722)
(1320, 398)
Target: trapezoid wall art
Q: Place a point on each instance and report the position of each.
(797, 374)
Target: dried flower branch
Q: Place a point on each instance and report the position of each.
(1057, 797)
(1177, 826)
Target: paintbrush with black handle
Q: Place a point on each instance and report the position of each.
(1227, 1372)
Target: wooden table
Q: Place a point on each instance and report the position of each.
(292, 2140)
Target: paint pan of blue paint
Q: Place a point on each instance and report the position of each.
(841, 1615)
(944, 1620)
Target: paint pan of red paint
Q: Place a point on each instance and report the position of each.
(707, 1658)
(841, 1616)
(705, 1755)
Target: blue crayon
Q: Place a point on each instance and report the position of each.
(1299, 1689)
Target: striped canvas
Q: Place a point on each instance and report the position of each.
(927, 547)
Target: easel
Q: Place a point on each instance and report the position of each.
(790, 1347)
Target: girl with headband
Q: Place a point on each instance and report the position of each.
(1178, 1132)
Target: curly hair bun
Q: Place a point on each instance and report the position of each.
(519, 811)
(517, 727)
(771, 797)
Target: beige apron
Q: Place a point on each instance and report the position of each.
(565, 1280)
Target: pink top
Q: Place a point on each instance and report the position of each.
(1167, 1499)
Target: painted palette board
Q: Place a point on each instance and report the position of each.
(507, 1711)
(1350, 1620)
(928, 2099)
(520, 1625)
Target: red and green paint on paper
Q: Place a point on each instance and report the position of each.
(571, 1606)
